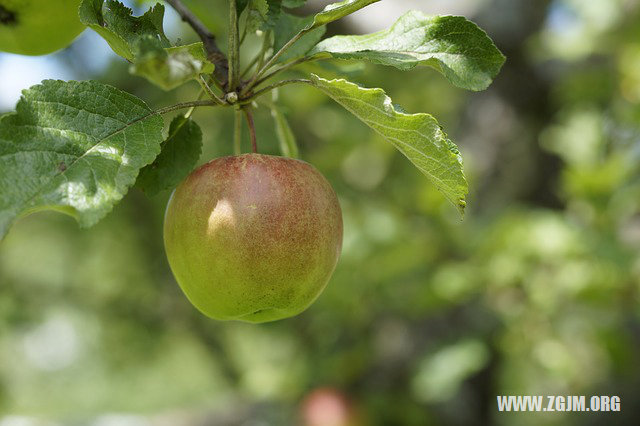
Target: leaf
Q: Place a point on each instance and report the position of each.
(335, 11)
(257, 11)
(241, 5)
(141, 40)
(171, 67)
(287, 139)
(74, 147)
(263, 14)
(292, 4)
(115, 23)
(179, 155)
(287, 27)
(273, 15)
(418, 136)
(452, 45)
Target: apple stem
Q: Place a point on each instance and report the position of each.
(237, 132)
(252, 129)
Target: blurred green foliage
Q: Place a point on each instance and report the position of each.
(426, 319)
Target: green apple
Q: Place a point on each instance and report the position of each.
(38, 27)
(253, 237)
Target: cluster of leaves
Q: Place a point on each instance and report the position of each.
(78, 147)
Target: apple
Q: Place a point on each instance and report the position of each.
(38, 27)
(327, 406)
(253, 237)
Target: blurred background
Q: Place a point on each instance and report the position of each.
(427, 318)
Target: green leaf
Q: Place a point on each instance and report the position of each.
(179, 155)
(241, 5)
(287, 27)
(292, 4)
(115, 23)
(335, 11)
(418, 136)
(257, 11)
(273, 15)
(452, 45)
(74, 147)
(287, 139)
(171, 67)
(262, 14)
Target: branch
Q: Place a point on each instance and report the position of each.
(214, 54)
(234, 59)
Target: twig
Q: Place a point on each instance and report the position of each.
(214, 53)
(273, 86)
(252, 129)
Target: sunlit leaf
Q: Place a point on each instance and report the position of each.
(335, 11)
(418, 136)
(292, 4)
(171, 67)
(115, 23)
(456, 47)
(288, 26)
(74, 147)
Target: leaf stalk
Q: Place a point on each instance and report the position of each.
(274, 86)
(272, 61)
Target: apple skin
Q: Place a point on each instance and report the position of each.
(38, 27)
(253, 237)
(328, 406)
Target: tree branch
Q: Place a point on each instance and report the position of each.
(234, 58)
(214, 54)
